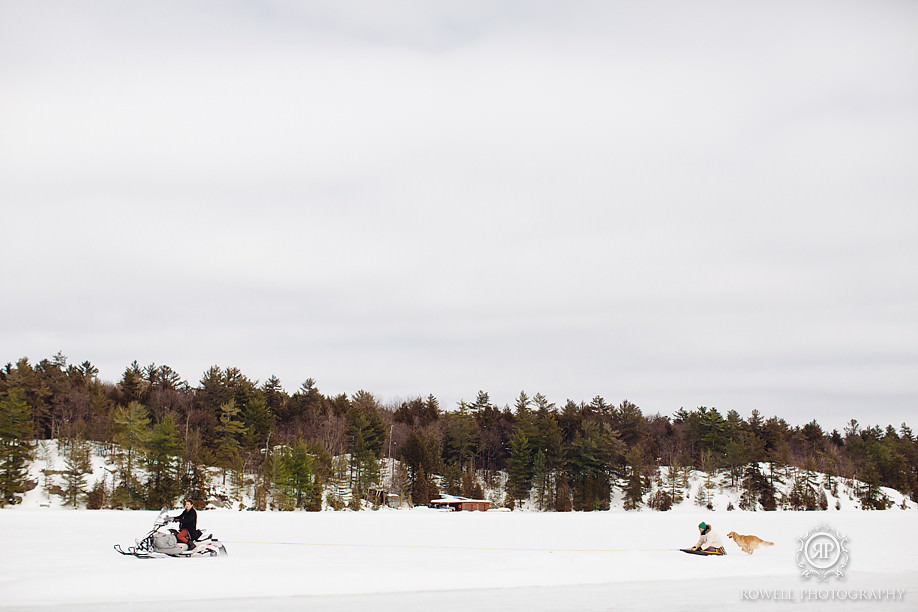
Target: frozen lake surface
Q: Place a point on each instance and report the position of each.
(424, 559)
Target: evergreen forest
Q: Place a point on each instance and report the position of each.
(167, 439)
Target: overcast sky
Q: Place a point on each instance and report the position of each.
(679, 203)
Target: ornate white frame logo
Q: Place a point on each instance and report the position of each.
(822, 553)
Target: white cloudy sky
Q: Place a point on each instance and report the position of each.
(681, 204)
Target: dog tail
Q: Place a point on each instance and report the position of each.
(767, 543)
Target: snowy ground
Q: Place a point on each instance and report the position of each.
(425, 559)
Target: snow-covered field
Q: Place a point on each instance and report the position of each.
(425, 559)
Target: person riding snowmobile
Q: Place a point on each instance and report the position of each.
(709, 541)
(188, 525)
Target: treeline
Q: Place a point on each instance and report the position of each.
(166, 437)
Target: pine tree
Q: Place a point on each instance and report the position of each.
(673, 482)
(133, 384)
(275, 398)
(734, 457)
(366, 435)
(452, 479)
(471, 487)
(76, 467)
(562, 498)
(482, 403)
(522, 404)
(460, 440)
(634, 487)
(872, 498)
(132, 432)
(265, 484)
(822, 502)
(541, 480)
(15, 450)
(520, 466)
(660, 500)
(296, 476)
(703, 496)
(400, 482)
(421, 455)
(547, 445)
(194, 478)
(589, 458)
(423, 489)
(322, 470)
(229, 431)
(95, 499)
(713, 430)
(258, 420)
(163, 483)
(338, 481)
(798, 497)
(757, 490)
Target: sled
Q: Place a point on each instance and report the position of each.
(703, 553)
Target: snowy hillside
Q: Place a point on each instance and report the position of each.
(420, 558)
(694, 490)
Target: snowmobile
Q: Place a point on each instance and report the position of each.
(161, 542)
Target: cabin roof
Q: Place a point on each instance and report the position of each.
(453, 499)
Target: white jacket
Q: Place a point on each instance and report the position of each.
(709, 540)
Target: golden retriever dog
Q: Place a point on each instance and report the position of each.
(748, 542)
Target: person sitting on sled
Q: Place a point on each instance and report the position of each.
(188, 525)
(709, 541)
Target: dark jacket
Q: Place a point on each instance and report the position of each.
(188, 519)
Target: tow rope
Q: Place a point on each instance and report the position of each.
(441, 547)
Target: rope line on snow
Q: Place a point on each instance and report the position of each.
(440, 547)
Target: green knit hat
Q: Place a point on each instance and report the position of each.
(703, 526)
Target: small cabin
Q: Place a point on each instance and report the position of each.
(452, 502)
(381, 497)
